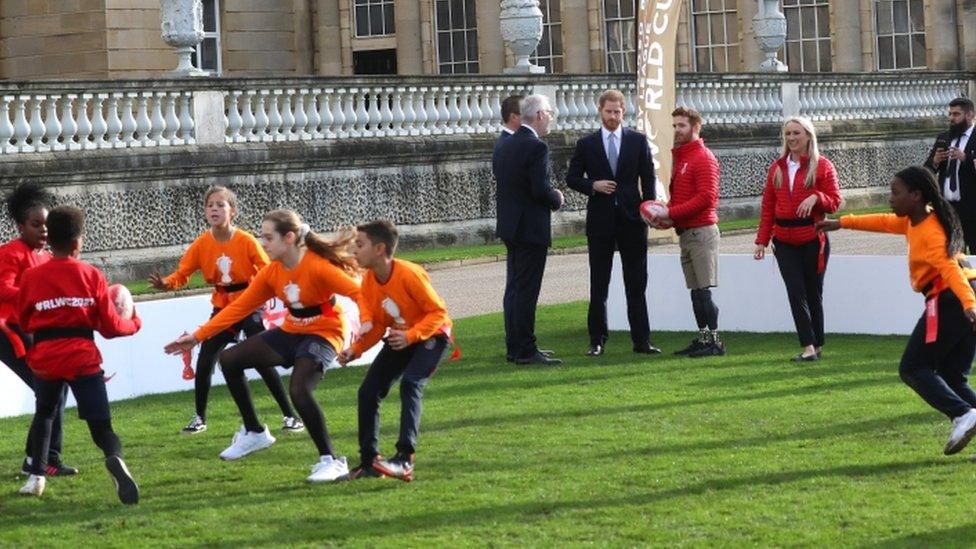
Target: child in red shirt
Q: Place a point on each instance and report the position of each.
(306, 272)
(62, 303)
(395, 295)
(229, 257)
(27, 205)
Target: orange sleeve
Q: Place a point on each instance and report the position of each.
(189, 264)
(259, 291)
(367, 314)
(878, 223)
(435, 312)
(948, 268)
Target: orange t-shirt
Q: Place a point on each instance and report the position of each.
(405, 301)
(927, 256)
(222, 263)
(314, 281)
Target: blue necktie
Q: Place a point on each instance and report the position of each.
(612, 153)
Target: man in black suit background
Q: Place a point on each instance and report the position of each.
(951, 158)
(524, 199)
(606, 166)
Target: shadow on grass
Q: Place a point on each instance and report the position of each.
(959, 536)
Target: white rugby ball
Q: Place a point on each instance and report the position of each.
(122, 298)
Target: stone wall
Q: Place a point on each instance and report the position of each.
(53, 39)
(144, 206)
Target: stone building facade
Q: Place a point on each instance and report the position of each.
(116, 39)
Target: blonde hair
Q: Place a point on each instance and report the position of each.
(813, 152)
(335, 251)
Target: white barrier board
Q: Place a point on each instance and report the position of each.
(862, 295)
(136, 365)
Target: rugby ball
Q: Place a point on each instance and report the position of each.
(122, 299)
(654, 213)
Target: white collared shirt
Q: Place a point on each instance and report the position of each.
(793, 166)
(960, 143)
(617, 134)
(508, 131)
(535, 133)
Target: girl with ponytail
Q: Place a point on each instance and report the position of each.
(27, 206)
(306, 272)
(940, 351)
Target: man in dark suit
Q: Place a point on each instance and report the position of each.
(524, 199)
(511, 122)
(951, 158)
(606, 166)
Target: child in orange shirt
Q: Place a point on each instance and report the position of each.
(229, 258)
(306, 272)
(940, 351)
(62, 303)
(395, 294)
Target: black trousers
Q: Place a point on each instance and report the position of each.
(93, 407)
(967, 218)
(630, 239)
(804, 286)
(19, 367)
(414, 366)
(525, 265)
(939, 371)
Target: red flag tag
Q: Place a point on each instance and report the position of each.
(932, 319)
(187, 364)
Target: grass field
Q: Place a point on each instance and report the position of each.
(747, 449)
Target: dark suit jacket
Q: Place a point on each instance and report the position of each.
(524, 196)
(589, 164)
(967, 173)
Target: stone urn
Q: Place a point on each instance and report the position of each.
(182, 28)
(521, 24)
(769, 28)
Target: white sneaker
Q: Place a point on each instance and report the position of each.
(963, 429)
(246, 442)
(34, 486)
(292, 425)
(329, 469)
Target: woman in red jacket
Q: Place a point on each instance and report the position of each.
(27, 206)
(800, 188)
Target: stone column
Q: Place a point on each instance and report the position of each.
(491, 48)
(428, 33)
(598, 52)
(576, 52)
(408, 50)
(941, 42)
(327, 38)
(304, 43)
(749, 50)
(869, 41)
(346, 23)
(966, 12)
(845, 40)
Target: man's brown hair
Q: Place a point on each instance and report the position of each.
(612, 95)
(693, 116)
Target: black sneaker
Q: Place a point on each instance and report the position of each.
(696, 344)
(361, 472)
(125, 485)
(400, 467)
(712, 347)
(53, 469)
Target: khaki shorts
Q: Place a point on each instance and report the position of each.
(699, 256)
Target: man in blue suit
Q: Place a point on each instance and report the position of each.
(606, 167)
(524, 200)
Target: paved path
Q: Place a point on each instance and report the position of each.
(477, 289)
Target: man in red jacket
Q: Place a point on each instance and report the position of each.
(694, 198)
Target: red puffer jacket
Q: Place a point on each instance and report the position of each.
(694, 186)
(778, 218)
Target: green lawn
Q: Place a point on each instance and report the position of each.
(747, 449)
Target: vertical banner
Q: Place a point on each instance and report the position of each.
(657, 33)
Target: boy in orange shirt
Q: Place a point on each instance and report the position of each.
(395, 294)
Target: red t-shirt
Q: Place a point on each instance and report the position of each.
(15, 258)
(68, 293)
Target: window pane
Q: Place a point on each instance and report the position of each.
(627, 36)
(543, 48)
(210, 15)
(610, 9)
(733, 58)
(613, 37)
(826, 64)
(810, 59)
(362, 21)
(443, 15)
(557, 40)
(554, 15)
(732, 28)
(823, 21)
(208, 54)
(793, 58)
(703, 59)
(901, 15)
(457, 14)
(917, 15)
(730, 5)
(919, 50)
(792, 24)
(883, 12)
(902, 56)
(886, 55)
(718, 58)
(472, 40)
(701, 30)
(471, 13)
(718, 29)
(808, 22)
(458, 45)
(389, 19)
(376, 19)
(444, 47)
(626, 8)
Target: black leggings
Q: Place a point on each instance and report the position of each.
(19, 366)
(93, 407)
(210, 350)
(706, 312)
(804, 287)
(254, 352)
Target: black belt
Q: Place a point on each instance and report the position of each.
(803, 222)
(306, 312)
(45, 334)
(230, 288)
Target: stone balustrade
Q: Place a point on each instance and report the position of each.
(71, 116)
